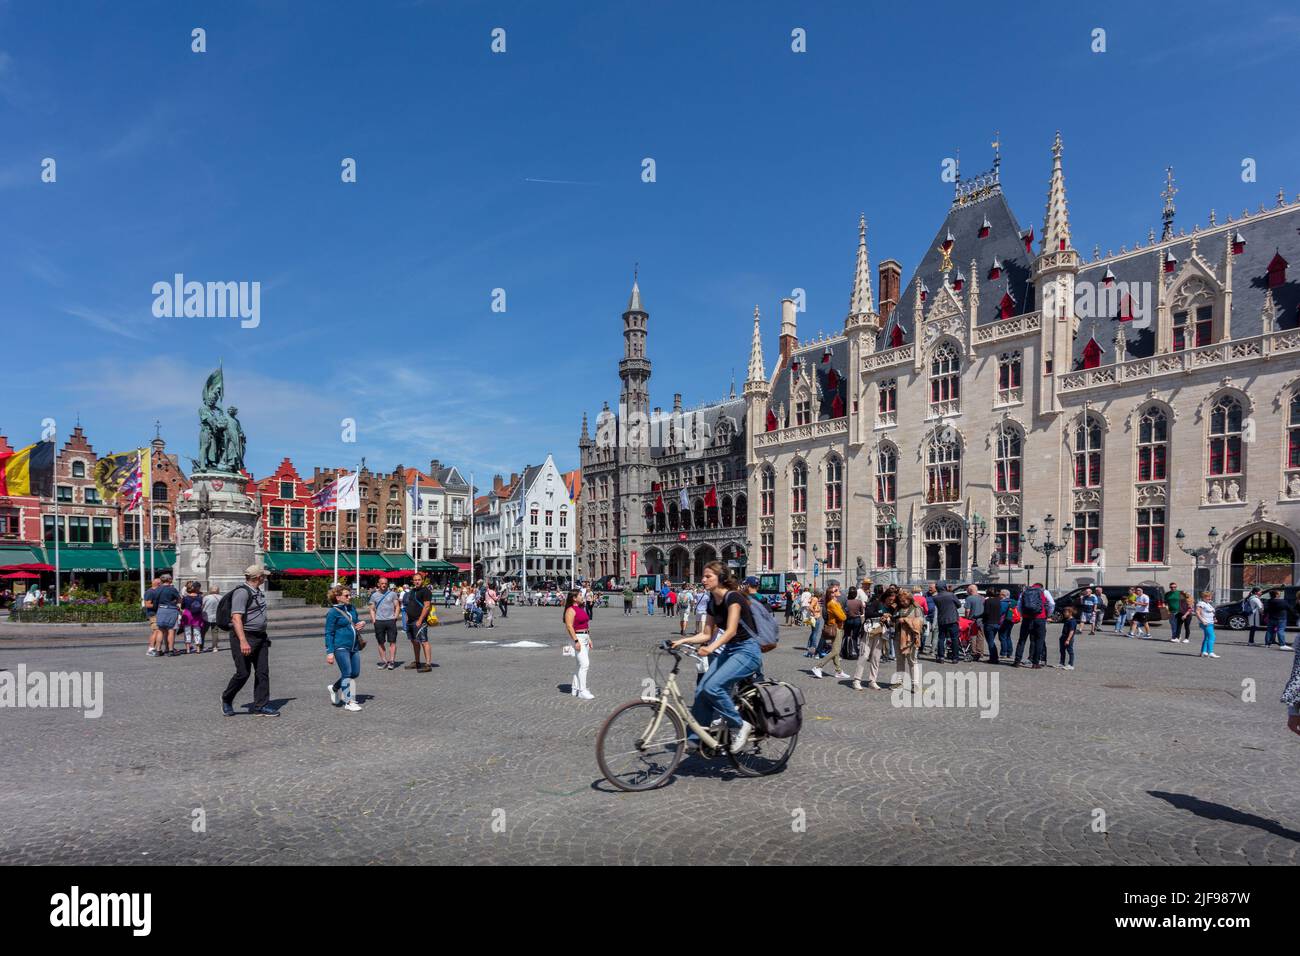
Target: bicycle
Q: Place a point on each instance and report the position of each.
(641, 743)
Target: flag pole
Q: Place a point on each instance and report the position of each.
(356, 589)
(58, 528)
(338, 531)
(140, 520)
(472, 575)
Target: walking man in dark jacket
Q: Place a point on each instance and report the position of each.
(945, 604)
(250, 646)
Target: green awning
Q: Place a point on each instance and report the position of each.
(86, 559)
(163, 559)
(438, 566)
(372, 561)
(19, 555)
(283, 560)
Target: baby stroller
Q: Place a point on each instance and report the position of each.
(474, 616)
(965, 628)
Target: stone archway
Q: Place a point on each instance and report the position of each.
(703, 555)
(679, 564)
(941, 543)
(654, 561)
(1261, 555)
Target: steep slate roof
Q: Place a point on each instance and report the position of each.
(526, 480)
(1003, 241)
(1264, 235)
(810, 356)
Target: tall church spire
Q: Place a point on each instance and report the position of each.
(756, 372)
(634, 302)
(860, 302)
(1056, 220)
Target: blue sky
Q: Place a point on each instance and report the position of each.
(376, 296)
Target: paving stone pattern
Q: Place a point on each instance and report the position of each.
(489, 760)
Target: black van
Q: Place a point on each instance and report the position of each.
(1232, 617)
(1112, 592)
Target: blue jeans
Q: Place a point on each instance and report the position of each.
(1004, 635)
(1207, 639)
(349, 665)
(1067, 650)
(950, 636)
(1120, 618)
(713, 693)
(815, 638)
(1277, 628)
(650, 606)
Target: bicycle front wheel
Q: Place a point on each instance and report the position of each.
(629, 756)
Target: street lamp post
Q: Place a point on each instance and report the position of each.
(1198, 553)
(1050, 545)
(891, 535)
(816, 565)
(978, 529)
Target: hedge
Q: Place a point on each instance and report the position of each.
(80, 614)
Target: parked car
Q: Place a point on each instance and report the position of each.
(1113, 592)
(1232, 617)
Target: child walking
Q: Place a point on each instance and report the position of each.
(1069, 631)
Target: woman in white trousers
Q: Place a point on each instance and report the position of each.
(578, 624)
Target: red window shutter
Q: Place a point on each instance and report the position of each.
(1144, 465)
(1293, 444)
(1276, 271)
(837, 407)
(1158, 467)
(1007, 307)
(1091, 354)
(896, 337)
(1216, 456)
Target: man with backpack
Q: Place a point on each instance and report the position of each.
(243, 612)
(1036, 606)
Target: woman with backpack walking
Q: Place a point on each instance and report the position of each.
(834, 626)
(343, 646)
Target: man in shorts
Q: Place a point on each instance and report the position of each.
(150, 602)
(1141, 609)
(418, 602)
(1088, 614)
(384, 612)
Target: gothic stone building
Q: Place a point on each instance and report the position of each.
(643, 463)
(1009, 394)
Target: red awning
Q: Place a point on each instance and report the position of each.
(19, 576)
(462, 565)
(26, 567)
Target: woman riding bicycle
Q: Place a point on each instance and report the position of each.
(737, 654)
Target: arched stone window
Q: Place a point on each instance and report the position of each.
(943, 470)
(1087, 453)
(834, 484)
(886, 474)
(767, 492)
(1008, 453)
(799, 488)
(945, 380)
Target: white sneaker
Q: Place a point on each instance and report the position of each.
(352, 705)
(1185, 640)
(151, 653)
(334, 695)
(1173, 640)
(1069, 667)
(1212, 655)
(1203, 654)
(1284, 647)
(586, 695)
(840, 675)
(741, 737)
(817, 672)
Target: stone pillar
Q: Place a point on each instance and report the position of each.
(217, 531)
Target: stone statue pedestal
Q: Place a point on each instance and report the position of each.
(218, 531)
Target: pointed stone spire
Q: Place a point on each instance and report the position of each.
(1269, 314)
(1167, 214)
(634, 301)
(861, 301)
(584, 440)
(1056, 220)
(756, 373)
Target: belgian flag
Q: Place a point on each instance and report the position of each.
(28, 471)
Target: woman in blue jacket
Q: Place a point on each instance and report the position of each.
(343, 646)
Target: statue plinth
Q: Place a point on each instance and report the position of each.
(218, 530)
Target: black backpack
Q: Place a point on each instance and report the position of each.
(222, 618)
(1032, 601)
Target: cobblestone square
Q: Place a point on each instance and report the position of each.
(489, 760)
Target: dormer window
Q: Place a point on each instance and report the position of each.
(1108, 279)
(1125, 308)
(1276, 271)
(837, 407)
(995, 270)
(1061, 244)
(833, 380)
(958, 282)
(948, 241)
(1028, 238)
(826, 356)
(925, 291)
(896, 337)
(794, 367)
(1238, 243)
(985, 228)
(1171, 261)
(1091, 354)
(771, 420)
(1007, 307)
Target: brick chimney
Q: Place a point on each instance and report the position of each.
(891, 274)
(434, 467)
(497, 484)
(789, 333)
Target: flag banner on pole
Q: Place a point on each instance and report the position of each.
(711, 497)
(683, 501)
(325, 499)
(28, 471)
(349, 492)
(120, 478)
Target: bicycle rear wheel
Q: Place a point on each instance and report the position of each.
(628, 758)
(763, 755)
